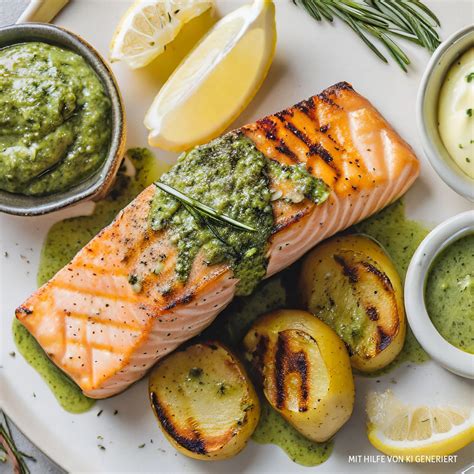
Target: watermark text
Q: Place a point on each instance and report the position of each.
(386, 459)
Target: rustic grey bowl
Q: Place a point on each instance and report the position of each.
(99, 183)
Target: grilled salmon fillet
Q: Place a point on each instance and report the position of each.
(105, 336)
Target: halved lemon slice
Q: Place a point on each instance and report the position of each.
(216, 81)
(149, 25)
(400, 429)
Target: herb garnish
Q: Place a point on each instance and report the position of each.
(470, 77)
(382, 19)
(8, 449)
(469, 112)
(205, 215)
(201, 211)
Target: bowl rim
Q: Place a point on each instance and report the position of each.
(442, 351)
(103, 177)
(447, 171)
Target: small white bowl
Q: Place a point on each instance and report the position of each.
(447, 355)
(427, 111)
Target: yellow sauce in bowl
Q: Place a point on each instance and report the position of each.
(456, 112)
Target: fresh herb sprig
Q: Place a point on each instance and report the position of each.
(382, 19)
(8, 450)
(205, 215)
(200, 210)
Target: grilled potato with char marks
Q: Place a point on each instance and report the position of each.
(204, 401)
(350, 283)
(305, 371)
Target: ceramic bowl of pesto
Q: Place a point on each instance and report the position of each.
(439, 289)
(450, 156)
(65, 182)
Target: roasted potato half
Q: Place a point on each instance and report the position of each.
(204, 401)
(305, 371)
(350, 283)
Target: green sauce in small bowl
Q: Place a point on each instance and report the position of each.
(449, 293)
(55, 119)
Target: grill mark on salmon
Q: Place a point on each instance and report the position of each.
(283, 148)
(314, 148)
(120, 334)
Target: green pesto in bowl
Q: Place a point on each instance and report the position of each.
(55, 119)
(449, 293)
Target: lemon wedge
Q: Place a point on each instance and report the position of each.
(399, 429)
(216, 81)
(149, 25)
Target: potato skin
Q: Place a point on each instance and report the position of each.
(204, 401)
(350, 283)
(305, 371)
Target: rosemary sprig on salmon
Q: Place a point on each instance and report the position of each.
(203, 211)
(204, 201)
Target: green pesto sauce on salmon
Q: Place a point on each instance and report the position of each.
(235, 179)
(55, 119)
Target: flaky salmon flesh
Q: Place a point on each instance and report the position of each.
(106, 336)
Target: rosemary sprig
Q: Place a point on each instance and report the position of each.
(382, 19)
(201, 211)
(8, 449)
(207, 223)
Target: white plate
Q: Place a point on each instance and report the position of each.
(309, 57)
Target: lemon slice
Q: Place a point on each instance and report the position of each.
(408, 431)
(216, 81)
(149, 25)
